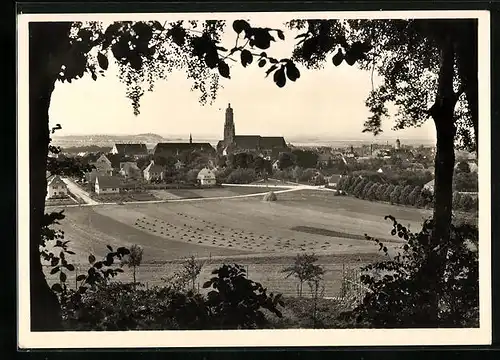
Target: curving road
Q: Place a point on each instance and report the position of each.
(79, 192)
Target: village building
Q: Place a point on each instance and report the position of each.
(266, 146)
(129, 170)
(206, 177)
(154, 172)
(103, 165)
(174, 149)
(107, 185)
(56, 188)
(130, 150)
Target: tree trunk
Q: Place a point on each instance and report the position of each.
(442, 113)
(45, 308)
(44, 44)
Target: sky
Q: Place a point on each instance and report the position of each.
(328, 103)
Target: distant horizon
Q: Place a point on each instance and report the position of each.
(322, 137)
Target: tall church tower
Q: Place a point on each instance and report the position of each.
(229, 126)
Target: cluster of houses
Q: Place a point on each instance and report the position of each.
(106, 179)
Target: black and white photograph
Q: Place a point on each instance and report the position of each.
(253, 179)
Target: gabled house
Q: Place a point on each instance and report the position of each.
(206, 177)
(154, 172)
(103, 165)
(56, 188)
(130, 150)
(107, 185)
(129, 170)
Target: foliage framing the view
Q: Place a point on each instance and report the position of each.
(399, 290)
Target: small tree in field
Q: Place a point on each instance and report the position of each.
(134, 259)
(304, 269)
(192, 269)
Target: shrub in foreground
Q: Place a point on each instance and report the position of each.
(423, 286)
(232, 302)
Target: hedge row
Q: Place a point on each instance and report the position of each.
(363, 188)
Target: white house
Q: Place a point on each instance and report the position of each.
(153, 172)
(107, 185)
(206, 177)
(56, 188)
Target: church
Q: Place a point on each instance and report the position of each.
(265, 146)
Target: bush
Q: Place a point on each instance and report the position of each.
(388, 192)
(241, 176)
(371, 194)
(423, 286)
(364, 192)
(358, 190)
(235, 302)
(404, 198)
(381, 192)
(396, 193)
(297, 314)
(414, 195)
(119, 307)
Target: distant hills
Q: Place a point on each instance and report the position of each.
(105, 140)
(151, 139)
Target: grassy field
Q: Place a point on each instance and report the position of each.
(265, 236)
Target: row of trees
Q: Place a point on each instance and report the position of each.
(397, 177)
(364, 188)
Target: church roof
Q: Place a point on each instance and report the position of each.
(173, 147)
(269, 142)
(247, 141)
(259, 142)
(132, 149)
